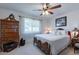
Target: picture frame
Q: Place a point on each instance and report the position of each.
(62, 21)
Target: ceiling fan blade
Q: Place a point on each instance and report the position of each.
(57, 6)
(41, 14)
(50, 12)
(38, 10)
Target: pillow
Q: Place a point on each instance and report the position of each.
(61, 32)
(58, 32)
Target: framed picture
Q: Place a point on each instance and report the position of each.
(61, 21)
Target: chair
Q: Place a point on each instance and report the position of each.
(76, 46)
(76, 43)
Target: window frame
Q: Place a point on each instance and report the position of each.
(32, 26)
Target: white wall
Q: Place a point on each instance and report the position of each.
(46, 22)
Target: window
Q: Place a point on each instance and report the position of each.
(31, 26)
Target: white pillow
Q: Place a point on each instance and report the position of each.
(58, 32)
(61, 32)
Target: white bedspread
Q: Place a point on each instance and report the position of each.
(57, 42)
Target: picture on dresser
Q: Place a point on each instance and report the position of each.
(62, 21)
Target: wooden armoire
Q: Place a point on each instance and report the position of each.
(9, 31)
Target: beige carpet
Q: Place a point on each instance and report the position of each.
(30, 49)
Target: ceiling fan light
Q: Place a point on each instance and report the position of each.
(43, 13)
(46, 12)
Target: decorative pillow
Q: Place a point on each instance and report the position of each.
(77, 45)
(61, 32)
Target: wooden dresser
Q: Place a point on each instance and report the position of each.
(9, 31)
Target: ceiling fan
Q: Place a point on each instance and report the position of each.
(47, 9)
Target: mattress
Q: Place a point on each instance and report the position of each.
(50, 37)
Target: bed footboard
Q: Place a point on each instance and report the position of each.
(43, 46)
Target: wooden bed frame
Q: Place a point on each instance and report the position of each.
(43, 46)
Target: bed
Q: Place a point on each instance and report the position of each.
(57, 42)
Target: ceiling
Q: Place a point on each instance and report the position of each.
(29, 8)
